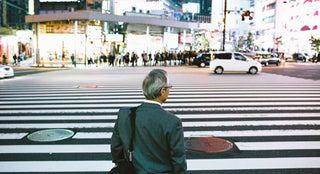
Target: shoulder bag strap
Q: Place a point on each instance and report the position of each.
(133, 126)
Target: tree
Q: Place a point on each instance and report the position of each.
(315, 43)
(205, 42)
(249, 41)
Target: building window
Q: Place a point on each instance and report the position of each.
(271, 6)
(270, 19)
(49, 29)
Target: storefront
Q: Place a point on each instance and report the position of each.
(8, 47)
(57, 41)
(140, 42)
(25, 45)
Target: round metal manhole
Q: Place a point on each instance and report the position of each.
(209, 144)
(50, 135)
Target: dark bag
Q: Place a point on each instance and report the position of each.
(125, 166)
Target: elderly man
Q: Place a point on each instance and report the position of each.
(158, 145)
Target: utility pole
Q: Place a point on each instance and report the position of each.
(4, 13)
(224, 25)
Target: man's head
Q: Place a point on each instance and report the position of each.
(156, 85)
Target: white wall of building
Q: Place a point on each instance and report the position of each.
(292, 17)
(122, 6)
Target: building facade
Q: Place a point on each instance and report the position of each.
(14, 33)
(286, 25)
(296, 22)
(89, 29)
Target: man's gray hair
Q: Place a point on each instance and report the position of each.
(153, 83)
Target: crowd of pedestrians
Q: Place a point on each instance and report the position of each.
(165, 58)
(16, 59)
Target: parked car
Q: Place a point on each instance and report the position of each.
(267, 59)
(299, 56)
(202, 60)
(6, 71)
(233, 61)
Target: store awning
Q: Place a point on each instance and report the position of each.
(7, 31)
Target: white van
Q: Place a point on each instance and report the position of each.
(234, 62)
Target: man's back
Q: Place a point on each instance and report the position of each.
(158, 139)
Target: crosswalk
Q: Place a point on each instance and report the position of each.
(275, 128)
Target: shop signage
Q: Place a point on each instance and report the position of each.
(188, 37)
(170, 40)
(61, 28)
(94, 31)
(114, 37)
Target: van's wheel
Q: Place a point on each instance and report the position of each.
(202, 65)
(253, 70)
(218, 70)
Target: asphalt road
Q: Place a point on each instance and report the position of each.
(272, 120)
(24, 71)
(298, 70)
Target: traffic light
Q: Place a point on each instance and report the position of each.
(251, 15)
(247, 14)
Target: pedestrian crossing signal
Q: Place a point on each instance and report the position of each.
(251, 15)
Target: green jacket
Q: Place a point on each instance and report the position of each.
(158, 146)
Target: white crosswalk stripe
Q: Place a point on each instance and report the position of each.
(274, 128)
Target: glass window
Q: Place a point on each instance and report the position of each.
(94, 5)
(223, 56)
(239, 57)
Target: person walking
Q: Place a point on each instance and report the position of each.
(4, 59)
(15, 59)
(133, 58)
(74, 62)
(126, 59)
(158, 144)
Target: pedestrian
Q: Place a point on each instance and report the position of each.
(15, 59)
(90, 61)
(156, 58)
(117, 60)
(164, 58)
(150, 58)
(126, 59)
(74, 63)
(101, 58)
(111, 59)
(4, 59)
(133, 58)
(158, 144)
(144, 58)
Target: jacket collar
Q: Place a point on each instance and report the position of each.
(154, 105)
(153, 102)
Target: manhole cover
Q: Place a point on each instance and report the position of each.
(209, 144)
(50, 135)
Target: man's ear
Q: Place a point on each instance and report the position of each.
(162, 91)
